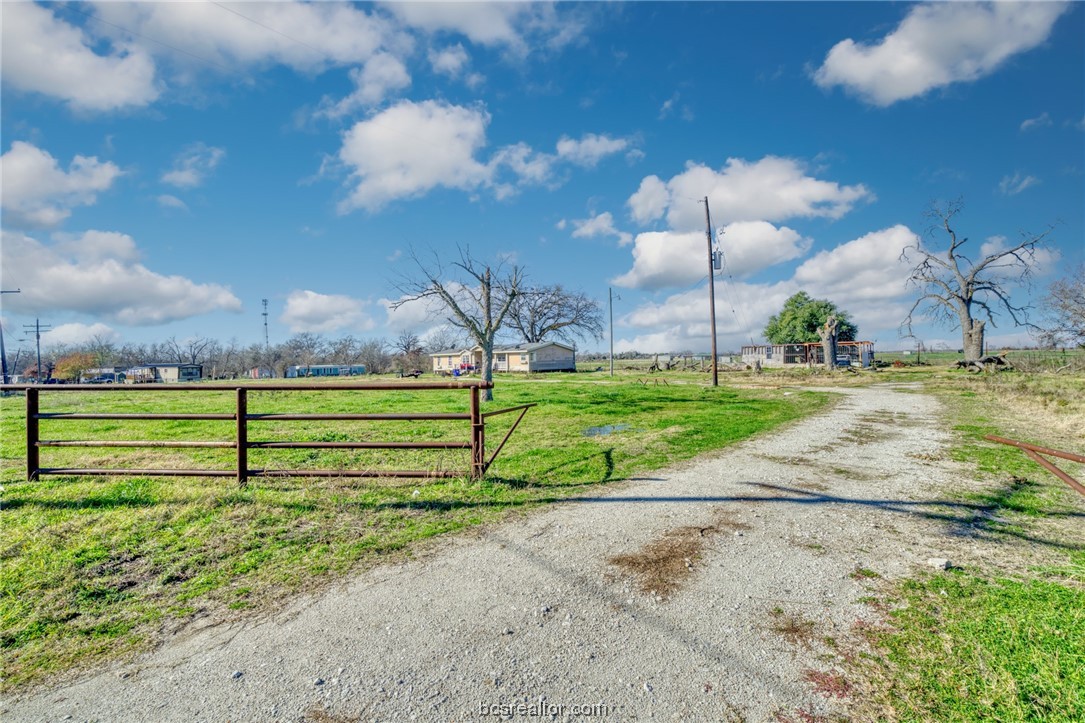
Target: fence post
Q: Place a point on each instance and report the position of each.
(242, 437)
(32, 460)
(478, 440)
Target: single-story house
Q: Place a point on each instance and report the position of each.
(325, 370)
(544, 356)
(102, 375)
(848, 353)
(163, 372)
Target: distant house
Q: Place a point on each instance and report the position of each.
(848, 353)
(325, 370)
(546, 356)
(103, 375)
(167, 373)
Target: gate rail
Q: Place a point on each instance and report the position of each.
(1034, 452)
(476, 418)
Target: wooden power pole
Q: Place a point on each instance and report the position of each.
(711, 293)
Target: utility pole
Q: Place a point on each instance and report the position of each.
(37, 327)
(610, 295)
(267, 344)
(3, 354)
(711, 292)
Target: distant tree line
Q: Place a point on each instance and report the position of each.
(233, 360)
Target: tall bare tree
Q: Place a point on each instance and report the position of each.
(542, 312)
(1064, 309)
(474, 296)
(955, 289)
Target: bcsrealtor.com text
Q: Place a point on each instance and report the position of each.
(544, 710)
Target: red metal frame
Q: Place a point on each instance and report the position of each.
(476, 443)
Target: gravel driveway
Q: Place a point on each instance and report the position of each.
(698, 593)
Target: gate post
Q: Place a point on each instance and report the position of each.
(242, 437)
(478, 438)
(32, 459)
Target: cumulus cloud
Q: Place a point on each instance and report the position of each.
(193, 165)
(589, 149)
(308, 311)
(663, 259)
(43, 54)
(382, 76)
(771, 189)
(412, 148)
(308, 37)
(937, 44)
(99, 273)
(450, 61)
(38, 192)
(514, 26)
(600, 225)
(77, 333)
(1015, 184)
(864, 276)
(861, 270)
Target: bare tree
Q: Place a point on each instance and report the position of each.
(442, 339)
(957, 290)
(374, 355)
(1064, 309)
(550, 311)
(189, 351)
(477, 302)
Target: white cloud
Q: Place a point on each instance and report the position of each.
(193, 165)
(663, 259)
(412, 148)
(98, 273)
(420, 316)
(37, 192)
(600, 225)
(1015, 184)
(167, 201)
(1041, 121)
(936, 45)
(43, 54)
(862, 270)
(590, 149)
(308, 311)
(381, 76)
(865, 277)
(77, 333)
(514, 26)
(650, 201)
(308, 37)
(450, 61)
(771, 189)
(681, 321)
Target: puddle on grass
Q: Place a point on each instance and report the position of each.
(605, 430)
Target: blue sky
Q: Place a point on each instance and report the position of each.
(167, 166)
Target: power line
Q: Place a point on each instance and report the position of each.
(268, 27)
(202, 59)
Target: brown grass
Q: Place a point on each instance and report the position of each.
(795, 629)
(661, 567)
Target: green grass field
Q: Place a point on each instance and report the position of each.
(94, 568)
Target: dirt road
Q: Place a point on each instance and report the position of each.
(701, 593)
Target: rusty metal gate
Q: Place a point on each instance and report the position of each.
(475, 441)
